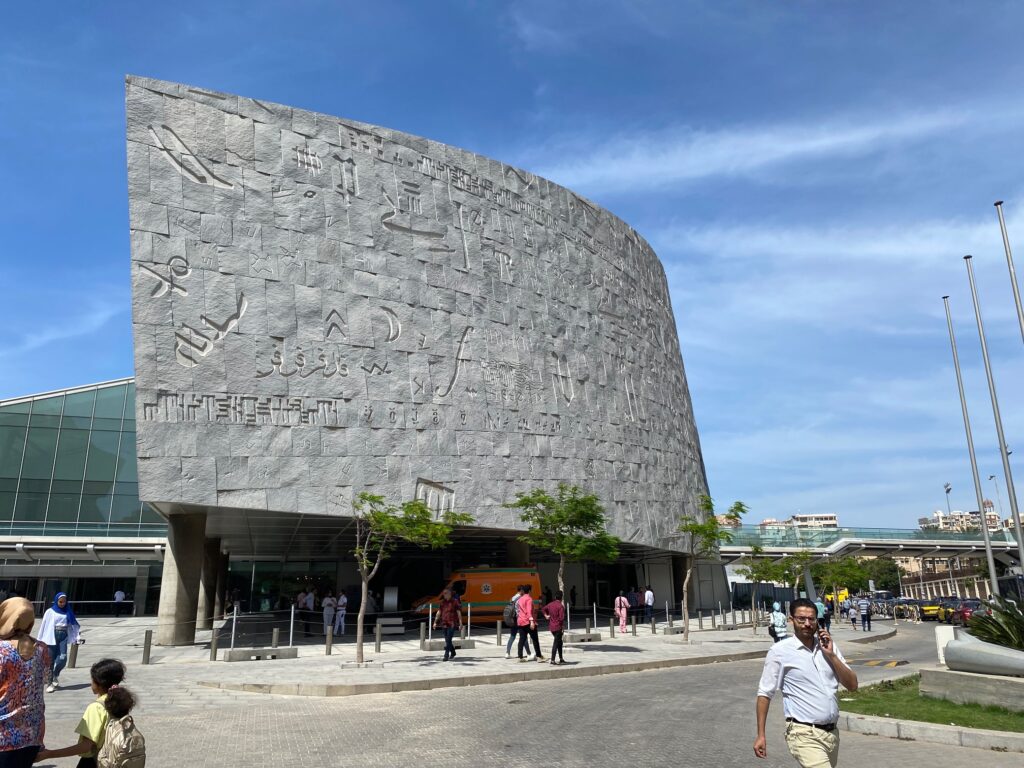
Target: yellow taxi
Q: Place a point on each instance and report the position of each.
(930, 610)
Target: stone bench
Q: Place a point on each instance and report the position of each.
(260, 654)
(391, 625)
(581, 637)
(437, 644)
(675, 629)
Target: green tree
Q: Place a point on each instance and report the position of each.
(706, 536)
(839, 572)
(380, 527)
(793, 567)
(570, 524)
(884, 572)
(759, 569)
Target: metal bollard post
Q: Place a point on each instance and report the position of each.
(469, 619)
(654, 627)
(721, 613)
(700, 619)
(213, 646)
(329, 641)
(423, 634)
(668, 614)
(633, 619)
(275, 637)
(734, 616)
(462, 632)
(291, 629)
(611, 627)
(713, 620)
(376, 637)
(497, 631)
(234, 626)
(430, 621)
(588, 625)
(595, 615)
(72, 655)
(147, 644)
(568, 617)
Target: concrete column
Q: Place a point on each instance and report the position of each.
(179, 587)
(141, 590)
(208, 584)
(517, 553)
(223, 560)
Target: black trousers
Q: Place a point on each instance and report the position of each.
(19, 758)
(526, 634)
(556, 644)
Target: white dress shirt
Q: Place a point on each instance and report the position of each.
(648, 597)
(808, 684)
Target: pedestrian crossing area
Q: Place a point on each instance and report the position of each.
(886, 663)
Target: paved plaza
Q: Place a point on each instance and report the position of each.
(695, 716)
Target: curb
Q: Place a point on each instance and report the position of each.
(874, 638)
(560, 673)
(934, 733)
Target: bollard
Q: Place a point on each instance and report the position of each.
(213, 646)
(654, 627)
(462, 632)
(734, 616)
(712, 619)
(234, 626)
(595, 615)
(588, 625)
(721, 614)
(291, 629)
(668, 614)
(146, 645)
(568, 617)
(430, 621)
(275, 637)
(633, 619)
(670, 620)
(72, 655)
(423, 634)
(469, 619)
(376, 637)
(497, 631)
(329, 641)
(611, 627)
(700, 619)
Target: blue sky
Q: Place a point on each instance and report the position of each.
(810, 174)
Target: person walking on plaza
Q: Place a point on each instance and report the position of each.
(308, 612)
(852, 613)
(621, 608)
(339, 613)
(527, 625)
(24, 671)
(118, 602)
(648, 605)
(449, 618)
(864, 608)
(106, 674)
(58, 629)
(778, 624)
(554, 612)
(808, 669)
(511, 620)
(329, 605)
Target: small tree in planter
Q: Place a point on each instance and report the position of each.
(570, 524)
(706, 536)
(381, 526)
(757, 569)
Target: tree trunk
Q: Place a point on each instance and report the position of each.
(686, 603)
(561, 575)
(359, 620)
(754, 610)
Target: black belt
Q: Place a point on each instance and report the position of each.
(827, 727)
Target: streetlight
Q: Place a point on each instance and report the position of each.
(948, 488)
(995, 482)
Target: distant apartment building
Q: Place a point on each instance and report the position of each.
(960, 521)
(821, 520)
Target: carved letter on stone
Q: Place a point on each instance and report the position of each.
(563, 377)
(193, 343)
(436, 496)
(177, 267)
(458, 364)
(185, 159)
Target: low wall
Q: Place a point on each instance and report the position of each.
(973, 688)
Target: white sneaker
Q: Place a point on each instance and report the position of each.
(51, 688)
(55, 683)
(508, 655)
(531, 657)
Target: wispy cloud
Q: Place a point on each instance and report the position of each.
(650, 160)
(83, 323)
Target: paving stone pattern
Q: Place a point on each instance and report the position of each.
(322, 306)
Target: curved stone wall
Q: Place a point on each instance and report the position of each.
(321, 306)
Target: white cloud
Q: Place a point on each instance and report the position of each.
(83, 323)
(653, 160)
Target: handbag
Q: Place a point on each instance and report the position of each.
(772, 632)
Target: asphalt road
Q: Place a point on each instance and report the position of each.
(692, 716)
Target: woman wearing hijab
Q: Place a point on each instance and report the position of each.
(58, 628)
(24, 669)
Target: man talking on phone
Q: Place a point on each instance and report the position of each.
(808, 668)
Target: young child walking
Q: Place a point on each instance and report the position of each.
(107, 675)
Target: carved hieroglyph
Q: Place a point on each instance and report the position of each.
(322, 306)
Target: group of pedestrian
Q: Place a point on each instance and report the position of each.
(107, 735)
(332, 610)
(522, 616)
(640, 604)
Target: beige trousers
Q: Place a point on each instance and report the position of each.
(813, 747)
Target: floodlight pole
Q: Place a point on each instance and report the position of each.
(974, 462)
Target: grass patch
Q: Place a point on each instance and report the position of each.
(902, 699)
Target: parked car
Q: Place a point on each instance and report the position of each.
(946, 608)
(965, 609)
(930, 610)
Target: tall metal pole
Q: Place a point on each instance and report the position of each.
(1004, 452)
(948, 488)
(1013, 273)
(970, 449)
(995, 482)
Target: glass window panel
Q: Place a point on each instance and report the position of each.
(125, 510)
(63, 507)
(8, 484)
(127, 463)
(129, 408)
(12, 443)
(71, 451)
(6, 505)
(95, 509)
(31, 506)
(15, 415)
(110, 402)
(102, 456)
(31, 485)
(67, 486)
(39, 452)
(78, 409)
(150, 515)
(127, 489)
(46, 412)
(98, 488)
(106, 425)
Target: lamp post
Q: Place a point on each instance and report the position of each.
(948, 488)
(999, 500)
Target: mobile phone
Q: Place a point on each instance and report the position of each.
(823, 639)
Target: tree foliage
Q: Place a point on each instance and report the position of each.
(759, 569)
(839, 572)
(381, 526)
(571, 524)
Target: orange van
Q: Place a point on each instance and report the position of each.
(486, 589)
